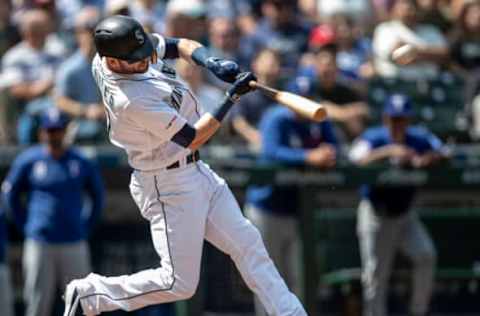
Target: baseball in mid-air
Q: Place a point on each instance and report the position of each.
(404, 54)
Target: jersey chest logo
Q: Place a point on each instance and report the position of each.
(176, 98)
(40, 170)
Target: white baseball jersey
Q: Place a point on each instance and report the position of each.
(145, 111)
(184, 205)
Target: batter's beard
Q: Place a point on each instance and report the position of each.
(137, 69)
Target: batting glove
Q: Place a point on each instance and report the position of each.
(226, 70)
(241, 85)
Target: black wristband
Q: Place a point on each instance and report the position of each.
(171, 48)
(220, 112)
(185, 136)
(200, 56)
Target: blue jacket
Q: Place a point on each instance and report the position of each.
(46, 196)
(286, 140)
(394, 201)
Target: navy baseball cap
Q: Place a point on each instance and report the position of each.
(53, 118)
(398, 105)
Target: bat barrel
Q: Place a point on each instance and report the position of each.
(300, 105)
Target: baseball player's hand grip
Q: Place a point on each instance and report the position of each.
(300, 105)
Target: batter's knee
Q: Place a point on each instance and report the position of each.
(251, 242)
(184, 290)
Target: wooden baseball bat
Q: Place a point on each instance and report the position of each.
(300, 105)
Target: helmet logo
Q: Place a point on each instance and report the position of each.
(139, 36)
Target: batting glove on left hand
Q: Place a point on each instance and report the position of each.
(241, 85)
(226, 70)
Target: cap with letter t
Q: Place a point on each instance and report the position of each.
(398, 105)
(53, 118)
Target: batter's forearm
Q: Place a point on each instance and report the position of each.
(205, 128)
(186, 48)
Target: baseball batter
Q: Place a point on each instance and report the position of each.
(160, 124)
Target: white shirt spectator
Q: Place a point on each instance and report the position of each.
(389, 34)
(356, 9)
(25, 64)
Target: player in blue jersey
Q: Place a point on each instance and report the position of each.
(44, 190)
(386, 223)
(290, 140)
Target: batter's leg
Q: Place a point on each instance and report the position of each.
(378, 238)
(40, 278)
(418, 246)
(177, 221)
(231, 232)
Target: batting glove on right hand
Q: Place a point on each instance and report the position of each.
(227, 70)
(241, 85)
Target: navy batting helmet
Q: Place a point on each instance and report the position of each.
(124, 38)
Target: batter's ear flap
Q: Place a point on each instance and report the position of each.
(154, 57)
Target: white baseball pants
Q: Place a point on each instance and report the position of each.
(380, 238)
(185, 206)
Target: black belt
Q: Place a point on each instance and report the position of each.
(190, 158)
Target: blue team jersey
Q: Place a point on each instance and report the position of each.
(286, 140)
(397, 200)
(46, 195)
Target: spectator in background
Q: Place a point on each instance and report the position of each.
(386, 224)
(150, 13)
(75, 90)
(382, 9)
(465, 39)
(286, 139)
(429, 48)
(320, 82)
(465, 53)
(186, 18)
(9, 36)
(6, 297)
(239, 11)
(114, 7)
(224, 38)
(280, 29)
(353, 51)
(57, 42)
(358, 10)
(68, 9)
(248, 114)
(434, 12)
(30, 70)
(53, 179)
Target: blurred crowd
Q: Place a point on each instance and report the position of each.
(337, 51)
(403, 61)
